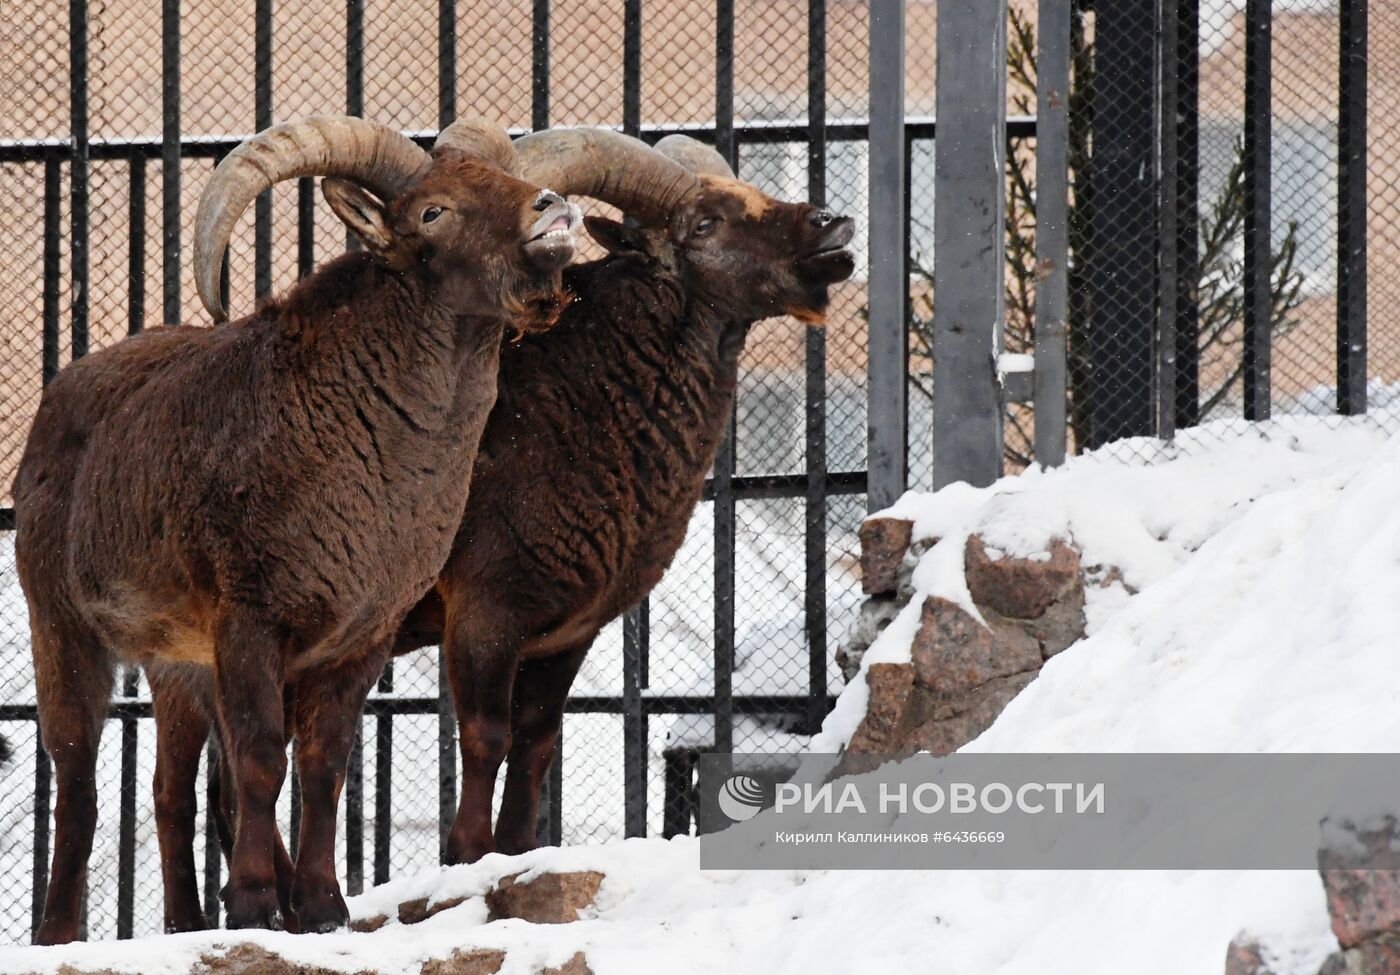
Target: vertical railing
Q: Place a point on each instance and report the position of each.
(170, 158)
(1052, 229)
(635, 635)
(262, 119)
(354, 764)
(1351, 210)
(539, 66)
(1258, 201)
(1169, 215)
(126, 823)
(43, 768)
(78, 173)
(1123, 267)
(724, 505)
(969, 242)
(889, 279)
(1185, 62)
(383, 781)
(814, 527)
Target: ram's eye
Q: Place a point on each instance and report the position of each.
(705, 227)
(431, 214)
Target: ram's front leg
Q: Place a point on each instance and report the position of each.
(327, 716)
(481, 664)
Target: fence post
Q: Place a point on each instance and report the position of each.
(170, 158)
(889, 282)
(1051, 228)
(1258, 212)
(1351, 212)
(1124, 232)
(969, 231)
(1185, 110)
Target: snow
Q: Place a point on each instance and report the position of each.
(1263, 564)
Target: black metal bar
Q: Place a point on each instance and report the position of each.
(383, 782)
(549, 825)
(136, 247)
(748, 132)
(1187, 243)
(1051, 230)
(1351, 211)
(7, 519)
(1258, 219)
(1169, 289)
(170, 157)
(581, 704)
(814, 523)
(43, 784)
(447, 62)
(49, 359)
(632, 67)
(677, 771)
(262, 85)
(306, 226)
(634, 731)
(1124, 226)
(970, 243)
(355, 57)
(212, 850)
(889, 279)
(126, 833)
(52, 270)
(539, 66)
(294, 814)
(355, 817)
(724, 503)
(447, 757)
(78, 174)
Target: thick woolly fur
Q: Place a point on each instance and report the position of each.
(268, 499)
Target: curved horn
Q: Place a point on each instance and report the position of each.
(700, 159)
(480, 138)
(379, 158)
(607, 166)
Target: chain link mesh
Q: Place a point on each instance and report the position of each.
(678, 85)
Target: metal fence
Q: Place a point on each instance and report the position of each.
(1113, 229)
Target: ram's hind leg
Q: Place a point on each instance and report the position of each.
(482, 658)
(327, 717)
(73, 680)
(541, 689)
(183, 720)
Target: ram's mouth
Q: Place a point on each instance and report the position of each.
(831, 260)
(552, 237)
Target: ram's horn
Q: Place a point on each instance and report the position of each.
(607, 166)
(382, 160)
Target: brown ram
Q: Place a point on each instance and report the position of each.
(267, 500)
(577, 510)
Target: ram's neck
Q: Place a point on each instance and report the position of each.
(379, 343)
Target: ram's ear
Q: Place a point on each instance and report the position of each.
(616, 238)
(362, 213)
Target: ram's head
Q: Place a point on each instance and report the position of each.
(484, 240)
(741, 251)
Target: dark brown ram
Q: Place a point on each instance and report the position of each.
(266, 501)
(577, 509)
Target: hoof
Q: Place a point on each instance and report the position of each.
(252, 909)
(470, 851)
(322, 913)
(181, 925)
(55, 934)
(511, 845)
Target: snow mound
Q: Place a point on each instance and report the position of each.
(1266, 565)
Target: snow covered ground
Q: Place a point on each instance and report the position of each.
(1266, 564)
